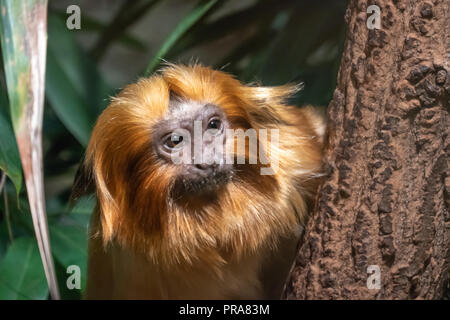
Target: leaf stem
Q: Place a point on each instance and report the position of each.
(5, 199)
(2, 181)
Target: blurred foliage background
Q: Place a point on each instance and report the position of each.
(271, 42)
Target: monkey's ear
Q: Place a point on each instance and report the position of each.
(84, 183)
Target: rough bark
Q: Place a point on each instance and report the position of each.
(385, 201)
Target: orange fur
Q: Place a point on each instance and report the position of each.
(146, 245)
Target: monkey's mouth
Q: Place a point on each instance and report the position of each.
(199, 183)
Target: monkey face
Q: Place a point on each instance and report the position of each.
(192, 139)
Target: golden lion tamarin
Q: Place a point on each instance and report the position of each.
(220, 227)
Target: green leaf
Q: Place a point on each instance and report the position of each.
(70, 107)
(76, 90)
(62, 275)
(70, 248)
(194, 16)
(9, 154)
(82, 211)
(23, 32)
(21, 272)
(69, 238)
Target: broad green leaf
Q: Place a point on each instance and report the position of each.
(76, 90)
(77, 65)
(21, 272)
(15, 65)
(82, 210)
(70, 107)
(23, 33)
(66, 292)
(70, 248)
(69, 236)
(195, 15)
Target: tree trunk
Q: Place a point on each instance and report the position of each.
(385, 201)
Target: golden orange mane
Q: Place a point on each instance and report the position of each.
(132, 184)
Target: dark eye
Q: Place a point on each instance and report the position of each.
(214, 124)
(173, 141)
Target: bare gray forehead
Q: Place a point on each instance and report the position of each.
(182, 108)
